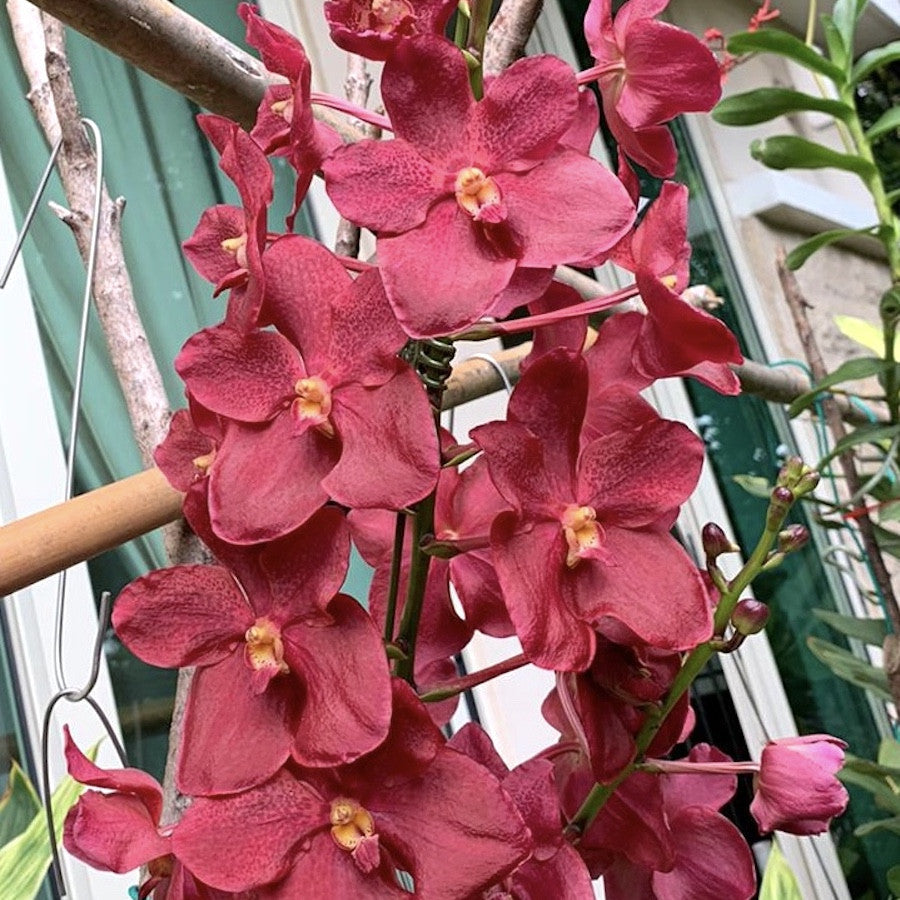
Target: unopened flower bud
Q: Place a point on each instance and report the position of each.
(807, 483)
(773, 560)
(797, 476)
(715, 542)
(792, 538)
(780, 502)
(749, 616)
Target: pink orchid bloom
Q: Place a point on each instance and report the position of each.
(587, 546)
(307, 403)
(475, 191)
(373, 28)
(278, 653)
(284, 123)
(120, 831)
(554, 869)
(227, 243)
(189, 449)
(796, 790)
(413, 805)
(649, 73)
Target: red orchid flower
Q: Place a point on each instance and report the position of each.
(413, 805)
(279, 654)
(307, 404)
(587, 546)
(373, 28)
(649, 73)
(468, 194)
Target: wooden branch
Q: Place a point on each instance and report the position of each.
(798, 306)
(509, 33)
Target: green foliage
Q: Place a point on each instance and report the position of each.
(893, 880)
(849, 667)
(18, 806)
(786, 151)
(845, 15)
(864, 434)
(869, 631)
(772, 40)
(852, 370)
(874, 60)
(864, 333)
(887, 123)
(25, 859)
(755, 485)
(802, 252)
(765, 104)
(778, 881)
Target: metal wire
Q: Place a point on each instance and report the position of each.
(58, 666)
(76, 696)
(29, 216)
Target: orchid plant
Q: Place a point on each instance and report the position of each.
(312, 745)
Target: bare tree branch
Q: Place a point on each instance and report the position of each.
(509, 33)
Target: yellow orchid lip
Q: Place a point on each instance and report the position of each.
(583, 532)
(475, 190)
(265, 649)
(314, 402)
(350, 823)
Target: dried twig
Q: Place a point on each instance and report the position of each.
(357, 85)
(509, 33)
(798, 306)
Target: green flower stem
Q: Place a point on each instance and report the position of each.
(394, 583)
(461, 32)
(875, 184)
(690, 669)
(478, 28)
(423, 523)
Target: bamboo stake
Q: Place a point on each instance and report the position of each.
(55, 539)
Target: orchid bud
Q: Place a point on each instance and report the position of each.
(749, 616)
(792, 538)
(773, 560)
(780, 502)
(797, 476)
(715, 542)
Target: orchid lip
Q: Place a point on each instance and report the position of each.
(350, 823)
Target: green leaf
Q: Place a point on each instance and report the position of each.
(862, 434)
(786, 151)
(873, 60)
(25, 859)
(845, 15)
(869, 631)
(893, 880)
(837, 49)
(802, 252)
(852, 370)
(889, 754)
(892, 825)
(755, 485)
(893, 196)
(765, 104)
(888, 541)
(889, 121)
(880, 769)
(872, 778)
(19, 804)
(771, 40)
(864, 333)
(778, 881)
(847, 666)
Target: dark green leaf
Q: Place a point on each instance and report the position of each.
(18, 805)
(879, 769)
(869, 631)
(889, 755)
(863, 434)
(771, 40)
(889, 122)
(803, 251)
(892, 825)
(765, 104)
(785, 151)
(893, 196)
(847, 666)
(755, 485)
(852, 370)
(875, 59)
